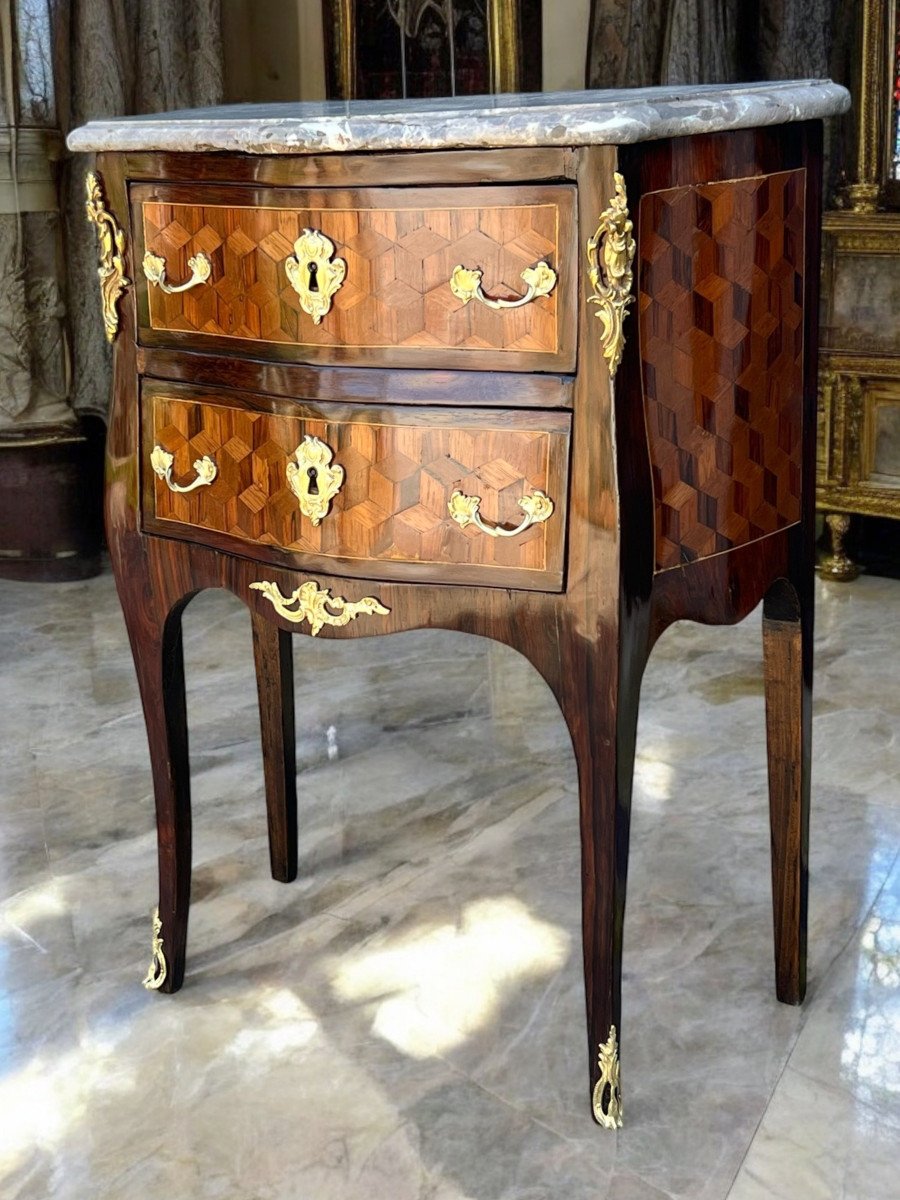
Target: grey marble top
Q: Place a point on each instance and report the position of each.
(540, 119)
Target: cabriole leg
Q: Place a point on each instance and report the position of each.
(159, 662)
(604, 741)
(599, 698)
(787, 648)
(272, 651)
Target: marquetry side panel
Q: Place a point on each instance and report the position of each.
(721, 340)
(400, 470)
(400, 250)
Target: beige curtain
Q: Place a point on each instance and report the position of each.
(33, 358)
(116, 57)
(64, 62)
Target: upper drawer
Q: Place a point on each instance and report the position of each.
(382, 276)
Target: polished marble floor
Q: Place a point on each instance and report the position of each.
(405, 1022)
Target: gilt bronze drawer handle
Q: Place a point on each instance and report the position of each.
(313, 604)
(312, 478)
(465, 511)
(155, 271)
(314, 274)
(465, 284)
(161, 462)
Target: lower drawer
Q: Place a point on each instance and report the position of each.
(450, 495)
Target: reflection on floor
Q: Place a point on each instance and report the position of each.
(406, 1020)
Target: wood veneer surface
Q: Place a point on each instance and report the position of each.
(721, 283)
(400, 468)
(400, 247)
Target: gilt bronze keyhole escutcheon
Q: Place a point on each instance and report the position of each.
(312, 478)
(314, 273)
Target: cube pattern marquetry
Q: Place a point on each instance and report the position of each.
(721, 343)
(396, 292)
(398, 479)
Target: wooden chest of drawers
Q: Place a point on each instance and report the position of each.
(559, 395)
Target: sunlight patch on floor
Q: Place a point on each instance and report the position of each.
(46, 900)
(288, 1025)
(44, 1100)
(435, 987)
(653, 779)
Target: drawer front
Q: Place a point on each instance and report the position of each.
(363, 490)
(376, 281)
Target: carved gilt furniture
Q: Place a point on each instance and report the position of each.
(385, 49)
(859, 370)
(539, 369)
